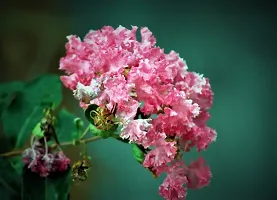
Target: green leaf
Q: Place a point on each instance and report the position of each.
(45, 90)
(103, 134)
(10, 179)
(17, 164)
(7, 93)
(90, 114)
(22, 105)
(138, 153)
(55, 187)
(10, 173)
(69, 127)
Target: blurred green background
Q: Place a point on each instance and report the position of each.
(232, 43)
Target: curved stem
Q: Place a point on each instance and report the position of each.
(84, 133)
(46, 146)
(32, 140)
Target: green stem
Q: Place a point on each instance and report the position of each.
(81, 141)
(84, 133)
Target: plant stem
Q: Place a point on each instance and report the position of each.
(82, 141)
(84, 133)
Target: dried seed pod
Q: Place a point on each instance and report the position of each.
(80, 170)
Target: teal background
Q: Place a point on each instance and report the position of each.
(234, 45)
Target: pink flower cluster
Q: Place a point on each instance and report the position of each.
(44, 164)
(111, 67)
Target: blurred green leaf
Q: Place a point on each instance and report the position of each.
(46, 89)
(55, 187)
(69, 127)
(22, 105)
(17, 164)
(10, 179)
(8, 92)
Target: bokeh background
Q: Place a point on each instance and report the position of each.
(233, 43)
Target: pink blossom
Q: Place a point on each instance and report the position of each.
(144, 70)
(116, 89)
(196, 88)
(173, 186)
(153, 138)
(170, 67)
(200, 137)
(136, 130)
(179, 121)
(164, 152)
(196, 175)
(199, 174)
(110, 67)
(87, 93)
(127, 110)
(149, 95)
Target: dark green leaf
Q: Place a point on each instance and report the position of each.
(17, 164)
(44, 90)
(7, 93)
(101, 133)
(90, 114)
(138, 153)
(10, 180)
(69, 127)
(56, 187)
(22, 106)
(10, 173)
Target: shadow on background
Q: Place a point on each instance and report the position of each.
(233, 44)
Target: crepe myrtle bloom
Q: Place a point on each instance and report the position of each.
(112, 67)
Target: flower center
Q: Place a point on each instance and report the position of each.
(103, 119)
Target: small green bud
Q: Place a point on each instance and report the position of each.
(37, 131)
(79, 125)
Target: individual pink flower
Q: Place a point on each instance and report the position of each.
(136, 130)
(163, 153)
(199, 174)
(200, 136)
(178, 120)
(127, 110)
(87, 93)
(116, 89)
(196, 88)
(203, 137)
(172, 187)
